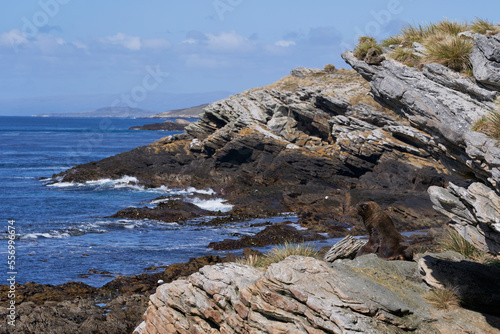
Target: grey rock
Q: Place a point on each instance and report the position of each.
(344, 249)
(303, 295)
(485, 59)
(302, 72)
(443, 104)
(475, 213)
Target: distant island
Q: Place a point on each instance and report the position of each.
(127, 112)
(193, 112)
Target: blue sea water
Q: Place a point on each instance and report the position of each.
(60, 230)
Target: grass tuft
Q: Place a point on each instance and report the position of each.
(329, 68)
(365, 43)
(393, 40)
(444, 299)
(451, 51)
(482, 26)
(489, 125)
(280, 253)
(406, 56)
(450, 27)
(252, 260)
(451, 240)
(442, 42)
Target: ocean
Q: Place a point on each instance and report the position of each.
(61, 234)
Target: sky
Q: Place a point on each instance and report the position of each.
(86, 47)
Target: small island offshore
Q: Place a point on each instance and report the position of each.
(413, 127)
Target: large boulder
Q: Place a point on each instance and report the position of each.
(475, 213)
(304, 295)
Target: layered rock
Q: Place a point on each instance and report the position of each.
(475, 213)
(304, 295)
(267, 149)
(444, 104)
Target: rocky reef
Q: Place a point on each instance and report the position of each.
(305, 295)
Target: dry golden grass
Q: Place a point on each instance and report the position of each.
(482, 26)
(365, 43)
(406, 56)
(442, 42)
(450, 51)
(279, 253)
(443, 299)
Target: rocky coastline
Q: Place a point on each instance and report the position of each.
(316, 143)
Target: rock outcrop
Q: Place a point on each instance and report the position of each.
(475, 213)
(178, 125)
(269, 149)
(305, 295)
(443, 105)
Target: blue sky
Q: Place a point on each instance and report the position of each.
(82, 47)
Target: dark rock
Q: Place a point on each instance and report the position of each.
(271, 235)
(169, 211)
(373, 57)
(178, 125)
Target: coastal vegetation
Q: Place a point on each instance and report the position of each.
(445, 298)
(441, 43)
(489, 124)
(278, 254)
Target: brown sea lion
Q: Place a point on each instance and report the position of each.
(385, 240)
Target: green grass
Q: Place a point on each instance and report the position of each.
(365, 43)
(443, 299)
(489, 125)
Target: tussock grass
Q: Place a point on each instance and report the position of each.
(393, 40)
(416, 33)
(329, 68)
(450, 27)
(406, 56)
(252, 260)
(489, 125)
(365, 43)
(443, 299)
(482, 26)
(452, 241)
(280, 253)
(442, 42)
(451, 51)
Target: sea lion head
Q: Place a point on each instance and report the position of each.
(366, 209)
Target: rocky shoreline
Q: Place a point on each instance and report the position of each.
(316, 143)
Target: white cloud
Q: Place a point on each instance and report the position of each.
(228, 41)
(130, 42)
(284, 43)
(136, 43)
(190, 41)
(156, 43)
(13, 38)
